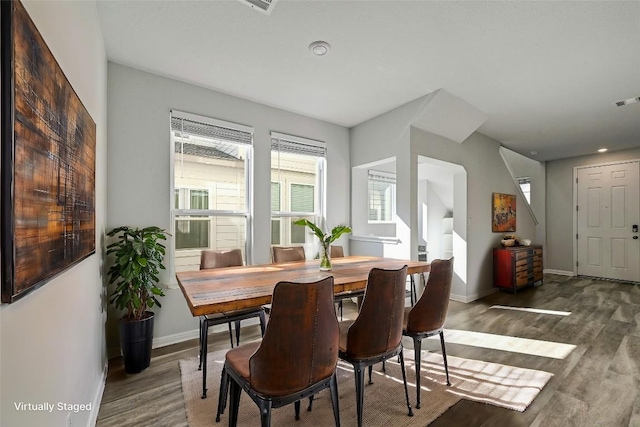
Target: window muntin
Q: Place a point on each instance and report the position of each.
(381, 196)
(211, 185)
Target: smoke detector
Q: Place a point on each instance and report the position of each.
(264, 6)
(624, 102)
(319, 48)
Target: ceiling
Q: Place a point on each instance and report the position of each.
(547, 74)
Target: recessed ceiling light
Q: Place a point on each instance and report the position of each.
(319, 48)
(602, 150)
(534, 153)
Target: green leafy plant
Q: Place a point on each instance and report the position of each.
(138, 261)
(325, 239)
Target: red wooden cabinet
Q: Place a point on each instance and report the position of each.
(517, 266)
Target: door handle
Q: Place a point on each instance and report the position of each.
(635, 237)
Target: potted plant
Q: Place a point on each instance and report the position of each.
(325, 240)
(134, 273)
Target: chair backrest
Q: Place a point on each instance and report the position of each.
(300, 345)
(430, 312)
(378, 327)
(336, 252)
(210, 258)
(288, 253)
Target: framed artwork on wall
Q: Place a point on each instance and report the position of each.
(48, 161)
(503, 216)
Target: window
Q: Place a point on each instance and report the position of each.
(525, 185)
(382, 196)
(192, 233)
(297, 188)
(211, 167)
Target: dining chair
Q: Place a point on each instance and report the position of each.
(336, 251)
(287, 253)
(296, 358)
(426, 318)
(376, 334)
(219, 259)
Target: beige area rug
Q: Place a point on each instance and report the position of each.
(384, 402)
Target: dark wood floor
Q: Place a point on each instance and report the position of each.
(597, 384)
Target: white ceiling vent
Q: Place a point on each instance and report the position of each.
(624, 102)
(264, 6)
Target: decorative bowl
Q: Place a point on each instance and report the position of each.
(525, 242)
(508, 242)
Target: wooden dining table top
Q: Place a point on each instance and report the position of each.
(221, 290)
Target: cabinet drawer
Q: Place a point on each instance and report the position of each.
(522, 254)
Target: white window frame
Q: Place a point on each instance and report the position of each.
(525, 180)
(393, 198)
(248, 184)
(319, 186)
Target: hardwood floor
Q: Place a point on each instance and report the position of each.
(596, 384)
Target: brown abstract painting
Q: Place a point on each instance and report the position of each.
(48, 162)
(504, 212)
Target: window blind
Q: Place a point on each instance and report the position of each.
(297, 145)
(302, 198)
(184, 124)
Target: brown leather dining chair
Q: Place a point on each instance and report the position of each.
(220, 259)
(426, 318)
(296, 358)
(336, 251)
(376, 334)
(287, 253)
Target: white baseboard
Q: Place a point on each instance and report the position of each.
(174, 338)
(473, 297)
(559, 272)
(97, 399)
(189, 335)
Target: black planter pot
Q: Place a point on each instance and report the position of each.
(136, 337)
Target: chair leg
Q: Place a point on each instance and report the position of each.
(310, 407)
(296, 405)
(359, 376)
(263, 322)
(384, 366)
(205, 339)
(237, 325)
(333, 387)
(234, 403)
(340, 307)
(230, 334)
(222, 398)
(417, 346)
(444, 356)
(412, 291)
(265, 412)
(370, 370)
(406, 389)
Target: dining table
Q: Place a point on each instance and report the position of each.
(222, 290)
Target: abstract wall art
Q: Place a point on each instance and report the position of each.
(504, 212)
(48, 161)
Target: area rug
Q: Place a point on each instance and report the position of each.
(384, 403)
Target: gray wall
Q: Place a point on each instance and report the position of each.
(138, 181)
(560, 208)
(524, 166)
(486, 174)
(52, 342)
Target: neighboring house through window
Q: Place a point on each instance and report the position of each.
(211, 167)
(297, 188)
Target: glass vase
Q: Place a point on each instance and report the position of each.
(325, 258)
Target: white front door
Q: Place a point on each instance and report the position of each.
(608, 210)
